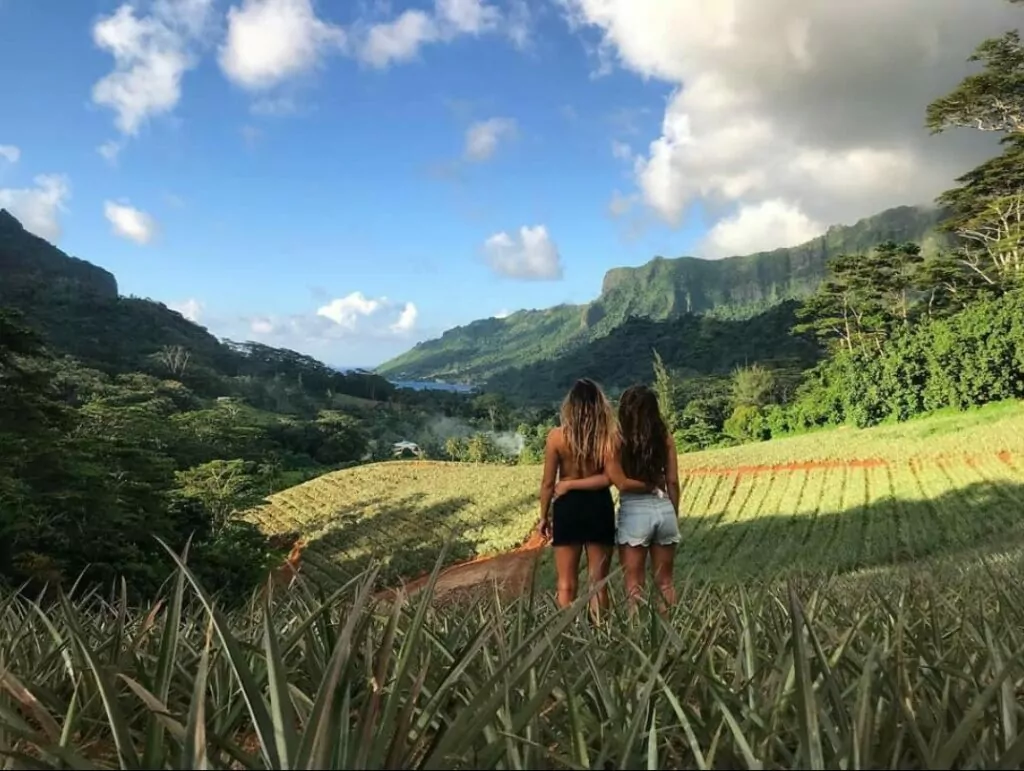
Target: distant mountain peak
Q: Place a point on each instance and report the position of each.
(9, 221)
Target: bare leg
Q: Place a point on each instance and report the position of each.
(567, 566)
(599, 562)
(662, 564)
(634, 563)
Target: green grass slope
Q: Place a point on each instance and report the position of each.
(737, 287)
(841, 500)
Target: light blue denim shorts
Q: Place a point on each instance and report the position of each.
(646, 519)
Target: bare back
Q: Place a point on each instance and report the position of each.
(566, 465)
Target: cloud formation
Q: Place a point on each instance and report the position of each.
(483, 137)
(129, 223)
(151, 54)
(400, 39)
(354, 319)
(789, 114)
(529, 254)
(270, 41)
(38, 207)
(191, 309)
(10, 153)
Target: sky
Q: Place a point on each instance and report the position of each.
(348, 177)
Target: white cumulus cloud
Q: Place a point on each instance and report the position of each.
(151, 54)
(795, 112)
(128, 222)
(191, 309)
(270, 41)
(758, 224)
(483, 137)
(400, 39)
(38, 207)
(528, 254)
(10, 153)
(352, 319)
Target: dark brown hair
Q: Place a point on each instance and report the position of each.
(644, 448)
(588, 425)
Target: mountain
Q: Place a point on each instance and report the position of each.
(76, 308)
(695, 347)
(733, 288)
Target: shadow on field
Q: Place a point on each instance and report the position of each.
(890, 531)
(405, 537)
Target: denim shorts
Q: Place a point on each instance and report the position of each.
(646, 519)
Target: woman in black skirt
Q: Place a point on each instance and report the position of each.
(580, 519)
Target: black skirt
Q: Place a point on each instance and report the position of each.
(584, 516)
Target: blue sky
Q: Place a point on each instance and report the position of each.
(347, 178)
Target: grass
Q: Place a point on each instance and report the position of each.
(837, 500)
(888, 670)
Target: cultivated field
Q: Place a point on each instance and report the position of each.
(831, 501)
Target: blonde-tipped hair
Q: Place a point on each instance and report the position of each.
(589, 427)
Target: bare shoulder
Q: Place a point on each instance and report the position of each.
(555, 438)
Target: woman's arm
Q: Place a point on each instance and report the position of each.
(613, 469)
(547, 482)
(593, 482)
(672, 474)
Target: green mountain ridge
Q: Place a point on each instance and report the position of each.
(662, 289)
(76, 307)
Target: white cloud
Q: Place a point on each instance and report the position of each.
(110, 150)
(768, 222)
(151, 55)
(128, 222)
(504, 313)
(483, 137)
(191, 309)
(352, 319)
(621, 151)
(346, 311)
(401, 39)
(406, 319)
(10, 153)
(528, 254)
(38, 207)
(270, 41)
(802, 111)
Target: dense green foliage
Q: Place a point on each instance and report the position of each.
(122, 421)
(694, 346)
(663, 289)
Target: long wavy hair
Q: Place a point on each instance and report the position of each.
(644, 450)
(588, 425)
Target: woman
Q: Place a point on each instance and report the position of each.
(644, 467)
(583, 518)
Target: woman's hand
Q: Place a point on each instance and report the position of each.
(544, 528)
(563, 486)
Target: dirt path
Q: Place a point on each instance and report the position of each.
(511, 571)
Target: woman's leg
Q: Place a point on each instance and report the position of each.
(567, 568)
(634, 564)
(599, 563)
(662, 565)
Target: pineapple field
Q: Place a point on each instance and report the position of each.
(832, 501)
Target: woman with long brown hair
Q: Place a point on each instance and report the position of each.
(582, 518)
(644, 467)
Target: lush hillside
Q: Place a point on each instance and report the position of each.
(737, 287)
(76, 309)
(695, 345)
